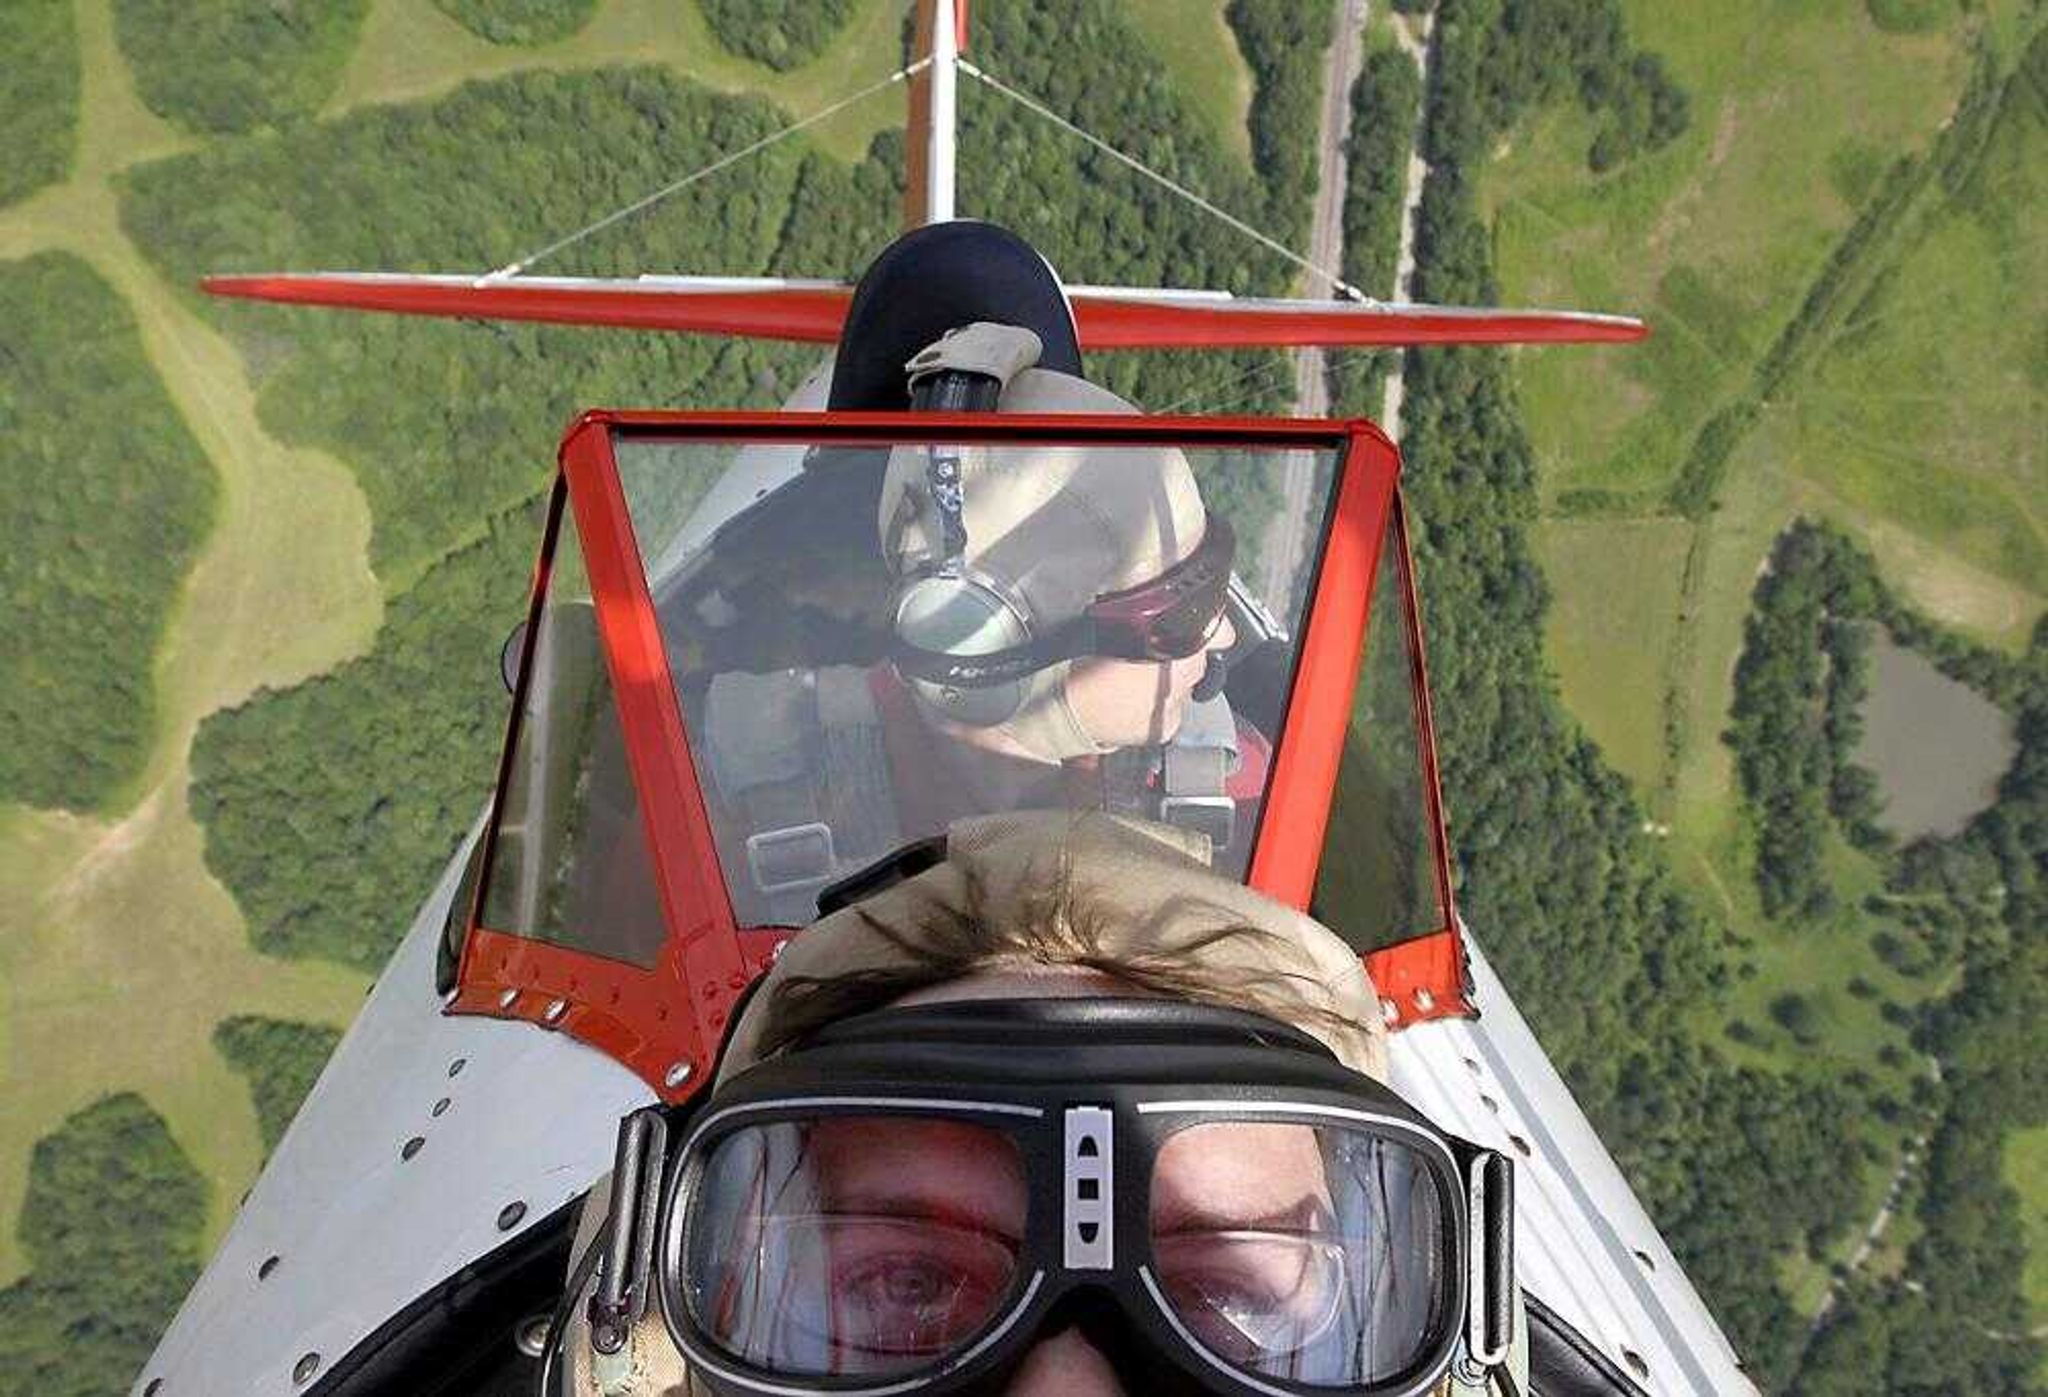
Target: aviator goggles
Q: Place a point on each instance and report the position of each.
(1171, 617)
(915, 1198)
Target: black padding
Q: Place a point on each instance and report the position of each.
(938, 278)
(1564, 1363)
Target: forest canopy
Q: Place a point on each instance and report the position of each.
(111, 1225)
(281, 1060)
(114, 497)
(781, 33)
(520, 21)
(39, 100)
(236, 65)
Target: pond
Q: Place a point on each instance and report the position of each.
(1938, 747)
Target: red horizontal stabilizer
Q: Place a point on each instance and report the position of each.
(1112, 321)
(749, 307)
(813, 311)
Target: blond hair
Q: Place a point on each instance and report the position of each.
(1054, 922)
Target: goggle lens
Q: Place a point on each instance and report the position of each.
(885, 1246)
(1174, 615)
(1307, 1252)
(853, 1245)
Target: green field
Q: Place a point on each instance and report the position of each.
(100, 915)
(1609, 634)
(1194, 41)
(1713, 239)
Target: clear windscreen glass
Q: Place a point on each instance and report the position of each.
(786, 575)
(1313, 1253)
(852, 1245)
(1380, 882)
(570, 863)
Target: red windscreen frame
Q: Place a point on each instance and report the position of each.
(667, 1021)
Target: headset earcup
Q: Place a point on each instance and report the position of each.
(972, 708)
(958, 615)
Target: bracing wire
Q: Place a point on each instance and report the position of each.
(1272, 244)
(1224, 397)
(513, 269)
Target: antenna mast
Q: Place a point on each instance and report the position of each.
(928, 187)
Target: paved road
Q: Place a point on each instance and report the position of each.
(1285, 541)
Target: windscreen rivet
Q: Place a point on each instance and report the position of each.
(556, 1008)
(303, 1370)
(506, 999)
(1425, 1001)
(510, 1216)
(678, 1074)
(1390, 1011)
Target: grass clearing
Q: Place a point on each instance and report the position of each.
(1615, 587)
(1714, 238)
(1199, 48)
(2026, 1169)
(414, 51)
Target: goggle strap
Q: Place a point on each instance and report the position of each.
(1066, 642)
(1490, 1259)
(625, 1281)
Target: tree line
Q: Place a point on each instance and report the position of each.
(281, 1060)
(111, 1225)
(236, 65)
(39, 101)
(109, 499)
(1796, 716)
(1385, 104)
(780, 33)
(519, 21)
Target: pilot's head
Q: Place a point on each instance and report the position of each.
(893, 1188)
(1072, 608)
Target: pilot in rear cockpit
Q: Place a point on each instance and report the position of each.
(1062, 620)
